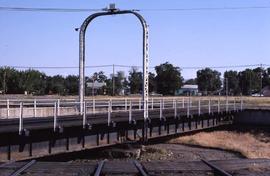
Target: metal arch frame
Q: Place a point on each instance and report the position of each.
(145, 55)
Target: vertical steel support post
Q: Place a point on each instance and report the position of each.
(125, 104)
(218, 105)
(8, 110)
(234, 104)
(160, 110)
(199, 107)
(152, 103)
(130, 112)
(84, 114)
(58, 107)
(94, 106)
(140, 104)
(209, 106)
(175, 108)
(35, 108)
(21, 119)
(188, 108)
(183, 102)
(55, 117)
(109, 112)
(227, 104)
(241, 103)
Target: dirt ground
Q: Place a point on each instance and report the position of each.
(254, 143)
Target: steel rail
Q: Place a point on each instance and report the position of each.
(99, 168)
(216, 169)
(140, 168)
(23, 168)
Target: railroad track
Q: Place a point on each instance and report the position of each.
(134, 167)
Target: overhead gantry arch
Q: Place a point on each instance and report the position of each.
(113, 11)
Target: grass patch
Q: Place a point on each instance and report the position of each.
(249, 145)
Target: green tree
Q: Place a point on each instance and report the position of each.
(152, 82)
(33, 81)
(250, 81)
(191, 81)
(10, 80)
(231, 78)
(135, 81)
(208, 81)
(72, 85)
(168, 78)
(56, 85)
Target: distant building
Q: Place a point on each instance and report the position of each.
(95, 87)
(266, 91)
(187, 89)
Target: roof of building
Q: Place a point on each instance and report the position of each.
(189, 86)
(95, 85)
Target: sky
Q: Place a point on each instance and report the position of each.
(183, 38)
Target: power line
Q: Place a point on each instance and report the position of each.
(31, 9)
(136, 66)
(209, 8)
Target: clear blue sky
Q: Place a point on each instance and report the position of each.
(184, 38)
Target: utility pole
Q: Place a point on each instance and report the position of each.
(113, 82)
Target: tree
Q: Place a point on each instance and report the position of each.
(135, 81)
(56, 85)
(266, 77)
(72, 85)
(191, 81)
(168, 78)
(120, 82)
(208, 81)
(152, 82)
(231, 78)
(250, 80)
(9, 80)
(33, 81)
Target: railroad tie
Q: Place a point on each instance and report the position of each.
(216, 169)
(23, 168)
(142, 171)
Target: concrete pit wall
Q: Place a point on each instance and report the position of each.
(253, 117)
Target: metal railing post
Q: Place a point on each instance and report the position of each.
(8, 110)
(199, 107)
(183, 102)
(234, 104)
(35, 108)
(163, 106)
(218, 105)
(55, 116)
(21, 119)
(94, 106)
(84, 114)
(241, 103)
(130, 112)
(125, 104)
(160, 110)
(227, 105)
(152, 103)
(175, 108)
(188, 110)
(109, 112)
(209, 106)
(58, 107)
